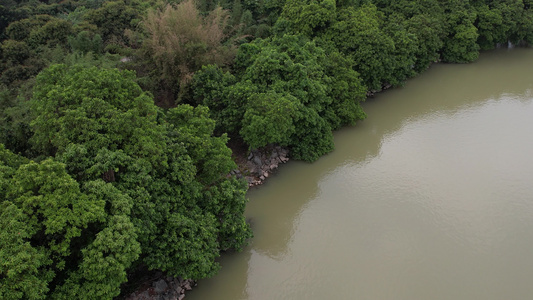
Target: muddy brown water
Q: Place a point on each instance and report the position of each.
(431, 197)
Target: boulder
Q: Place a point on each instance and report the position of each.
(160, 286)
(257, 161)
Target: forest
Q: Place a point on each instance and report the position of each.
(115, 118)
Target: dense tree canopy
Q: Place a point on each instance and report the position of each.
(59, 239)
(96, 180)
(126, 181)
(285, 95)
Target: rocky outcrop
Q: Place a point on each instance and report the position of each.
(164, 288)
(262, 162)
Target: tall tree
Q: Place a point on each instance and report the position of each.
(180, 41)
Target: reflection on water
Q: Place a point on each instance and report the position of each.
(429, 198)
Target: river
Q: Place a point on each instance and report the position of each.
(431, 197)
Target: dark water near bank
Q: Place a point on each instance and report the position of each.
(431, 197)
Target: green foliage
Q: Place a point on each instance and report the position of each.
(215, 89)
(358, 34)
(489, 25)
(20, 30)
(15, 52)
(193, 128)
(58, 239)
(52, 33)
(346, 90)
(180, 41)
(104, 262)
(14, 120)
(40, 30)
(308, 17)
(405, 48)
(93, 107)
(119, 181)
(269, 119)
(23, 267)
(163, 163)
(227, 201)
(460, 45)
(285, 95)
(113, 18)
(84, 43)
(429, 34)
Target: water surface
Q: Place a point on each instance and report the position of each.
(431, 197)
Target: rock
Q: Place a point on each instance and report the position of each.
(258, 161)
(265, 175)
(179, 290)
(274, 154)
(160, 286)
(143, 295)
(262, 177)
(181, 297)
(169, 297)
(187, 286)
(250, 156)
(274, 166)
(255, 169)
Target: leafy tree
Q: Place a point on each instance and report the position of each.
(14, 119)
(460, 45)
(347, 91)
(84, 43)
(54, 32)
(285, 95)
(216, 89)
(180, 41)
(113, 18)
(58, 240)
(40, 30)
(15, 52)
(103, 264)
(405, 48)
(21, 30)
(358, 34)
(89, 107)
(269, 119)
(308, 17)
(102, 126)
(429, 33)
(489, 25)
